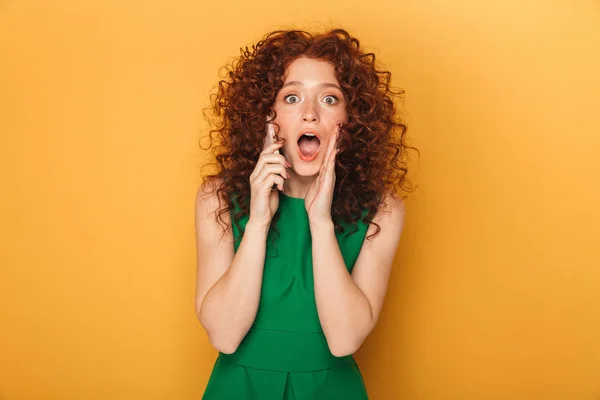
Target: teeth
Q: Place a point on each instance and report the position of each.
(310, 134)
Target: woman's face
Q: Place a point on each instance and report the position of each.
(311, 100)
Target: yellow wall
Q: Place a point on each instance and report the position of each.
(496, 288)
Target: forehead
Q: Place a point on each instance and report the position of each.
(306, 69)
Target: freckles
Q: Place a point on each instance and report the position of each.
(283, 119)
(342, 119)
(341, 115)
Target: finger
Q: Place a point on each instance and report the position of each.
(330, 167)
(272, 147)
(264, 168)
(331, 163)
(330, 150)
(275, 159)
(274, 179)
(337, 136)
(332, 142)
(331, 145)
(270, 169)
(328, 155)
(322, 169)
(266, 159)
(269, 181)
(335, 153)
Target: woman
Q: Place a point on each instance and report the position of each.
(294, 288)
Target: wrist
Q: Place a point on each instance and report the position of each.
(257, 227)
(321, 225)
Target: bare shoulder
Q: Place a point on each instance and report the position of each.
(389, 216)
(208, 201)
(206, 196)
(392, 203)
(214, 244)
(374, 263)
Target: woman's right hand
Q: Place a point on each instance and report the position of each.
(270, 170)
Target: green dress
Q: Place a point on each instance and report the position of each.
(285, 355)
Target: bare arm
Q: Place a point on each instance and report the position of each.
(228, 283)
(349, 305)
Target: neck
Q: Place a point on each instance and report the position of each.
(297, 185)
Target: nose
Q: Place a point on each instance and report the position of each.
(310, 113)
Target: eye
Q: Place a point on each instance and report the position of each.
(335, 99)
(290, 95)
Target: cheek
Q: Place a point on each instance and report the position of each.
(342, 116)
(284, 123)
(285, 120)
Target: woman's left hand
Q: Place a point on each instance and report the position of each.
(319, 197)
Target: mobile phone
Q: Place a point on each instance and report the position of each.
(270, 138)
(270, 135)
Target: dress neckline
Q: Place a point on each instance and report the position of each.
(291, 199)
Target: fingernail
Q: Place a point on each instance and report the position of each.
(287, 164)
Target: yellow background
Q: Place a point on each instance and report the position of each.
(495, 292)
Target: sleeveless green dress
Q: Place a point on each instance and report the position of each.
(285, 356)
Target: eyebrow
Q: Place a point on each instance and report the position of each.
(326, 85)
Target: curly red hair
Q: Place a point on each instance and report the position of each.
(372, 146)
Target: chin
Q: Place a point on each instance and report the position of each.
(302, 168)
(306, 171)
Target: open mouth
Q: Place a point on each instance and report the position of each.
(308, 146)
